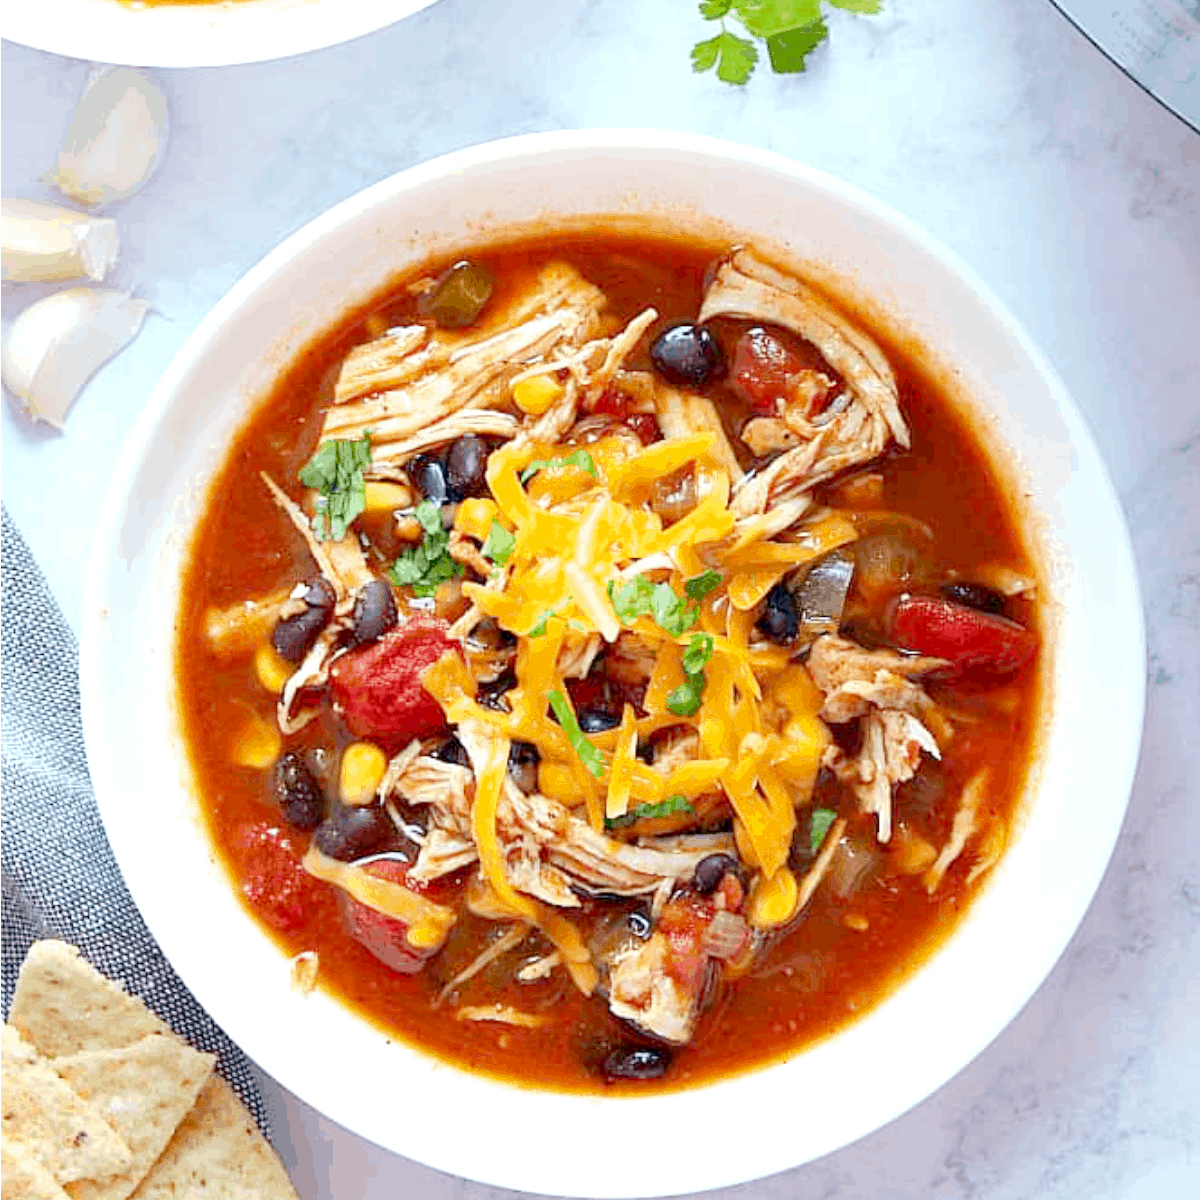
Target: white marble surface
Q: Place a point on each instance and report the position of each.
(996, 126)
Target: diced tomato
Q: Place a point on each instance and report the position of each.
(683, 923)
(645, 425)
(277, 886)
(975, 642)
(385, 937)
(613, 402)
(377, 687)
(763, 368)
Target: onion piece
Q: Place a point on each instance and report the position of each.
(821, 595)
(116, 139)
(43, 242)
(726, 935)
(57, 343)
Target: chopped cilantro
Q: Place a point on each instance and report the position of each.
(590, 756)
(684, 700)
(790, 29)
(638, 597)
(700, 585)
(648, 812)
(336, 473)
(539, 630)
(581, 459)
(499, 544)
(427, 566)
(699, 651)
(822, 819)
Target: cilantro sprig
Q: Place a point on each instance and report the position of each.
(335, 472)
(588, 754)
(648, 812)
(425, 567)
(581, 459)
(684, 700)
(790, 29)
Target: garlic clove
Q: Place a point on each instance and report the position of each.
(55, 345)
(115, 140)
(43, 242)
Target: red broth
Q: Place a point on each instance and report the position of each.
(858, 937)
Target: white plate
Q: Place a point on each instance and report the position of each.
(772, 1119)
(196, 35)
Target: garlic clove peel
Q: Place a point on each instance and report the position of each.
(115, 140)
(55, 346)
(43, 242)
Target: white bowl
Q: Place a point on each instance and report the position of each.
(197, 35)
(770, 1119)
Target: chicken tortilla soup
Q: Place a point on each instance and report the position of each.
(608, 664)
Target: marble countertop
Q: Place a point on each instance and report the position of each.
(996, 126)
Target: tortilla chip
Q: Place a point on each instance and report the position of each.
(43, 1112)
(63, 1005)
(219, 1154)
(23, 1176)
(144, 1091)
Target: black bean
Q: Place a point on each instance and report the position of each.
(429, 474)
(299, 795)
(466, 467)
(350, 833)
(711, 870)
(374, 613)
(451, 751)
(523, 759)
(596, 720)
(491, 694)
(294, 636)
(779, 621)
(975, 595)
(688, 354)
(637, 1062)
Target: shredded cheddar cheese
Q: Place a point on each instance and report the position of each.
(582, 524)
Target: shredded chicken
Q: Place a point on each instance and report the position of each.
(422, 381)
(768, 435)
(854, 679)
(386, 459)
(817, 872)
(682, 413)
(540, 968)
(846, 435)
(235, 631)
(643, 991)
(502, 1014)
(966, 819)
(875, 686)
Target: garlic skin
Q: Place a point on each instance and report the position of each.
(43, 242)
(54, 347)
(116, 139)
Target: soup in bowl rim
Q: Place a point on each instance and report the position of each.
(948, 1008)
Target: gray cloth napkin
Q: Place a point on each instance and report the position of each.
(60, 877)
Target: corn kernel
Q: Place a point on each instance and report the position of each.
(257, 744)
(857, 922)
(774, 900)
(363, 765)
(385, 497)
(475, 516)
(424, 935)
(272, 671)
(558, 782)
(536, 394)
